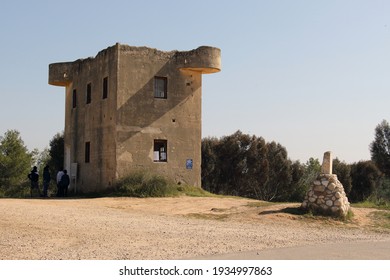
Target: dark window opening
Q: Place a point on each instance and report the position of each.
(105, 87)
(160, 87)
(87, 151)
(74, 100)
(89, 92)
(160, 151)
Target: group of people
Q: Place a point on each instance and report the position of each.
(62, 179)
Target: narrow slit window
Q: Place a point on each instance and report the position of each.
(89, 93)
(74, 99)
(87, 151)
(160, 87)
(105, 87)
(160, 151)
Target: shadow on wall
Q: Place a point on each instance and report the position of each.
(142, 109)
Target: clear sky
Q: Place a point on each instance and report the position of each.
(311, 75)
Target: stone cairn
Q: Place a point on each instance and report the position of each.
(326, 195)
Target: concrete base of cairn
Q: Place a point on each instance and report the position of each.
(327, 197)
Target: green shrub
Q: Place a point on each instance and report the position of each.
(193, 191)
(17, 191)
(143, 184)
(372, 204)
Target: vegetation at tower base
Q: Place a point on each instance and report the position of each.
(146, 184)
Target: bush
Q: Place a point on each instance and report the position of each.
(18, 191)
(142, 184)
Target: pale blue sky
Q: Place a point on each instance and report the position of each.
(311, 75)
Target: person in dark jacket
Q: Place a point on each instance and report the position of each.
(34, 178)
(64, 183)
(58, 178)
(46, 180)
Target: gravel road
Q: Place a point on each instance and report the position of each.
(166, 228)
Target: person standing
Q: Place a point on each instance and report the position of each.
(59, 176)
(34, 178)
(65, 181)
(46, 180)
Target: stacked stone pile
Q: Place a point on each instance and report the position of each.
(326, 195)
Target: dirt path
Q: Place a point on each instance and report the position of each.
(165, 228)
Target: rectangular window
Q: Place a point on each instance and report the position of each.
(89, 92)
(160, 87)
(160, 151)
(87, 151)
(74, 99)
(105, 87)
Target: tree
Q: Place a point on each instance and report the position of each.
(297, 171)
(15, 160)
(56, 153)
(257, 168)
(380, 147)
(236, 165)
(382, 194)
(232, 163)
(312, 169)
(210, 165)
(278, 185)
(343, 172)
(366, 178)
(303, 175)
(244, 165)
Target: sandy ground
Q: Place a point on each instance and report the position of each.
(168, 228)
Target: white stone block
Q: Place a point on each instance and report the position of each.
(320, 201)
(331, 186)
(335, 209)
(338, 202)
(319, 188)
(327, 163)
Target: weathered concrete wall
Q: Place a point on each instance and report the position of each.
(93, 122)
(203, 59)
(60, 74)
(143, 118)
(122, 128)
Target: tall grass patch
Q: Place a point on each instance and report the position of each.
(143, 184)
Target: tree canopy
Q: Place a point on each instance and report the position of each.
(56, 153)
(15, 160)
(380, 147)
(245, 165)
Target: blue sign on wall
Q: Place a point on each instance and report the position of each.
(189, 164)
